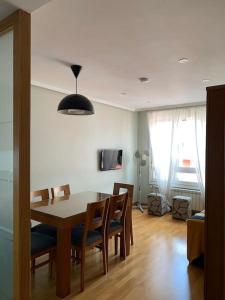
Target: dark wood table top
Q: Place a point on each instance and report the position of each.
(67, 206)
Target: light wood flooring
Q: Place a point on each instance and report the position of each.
(157, 268)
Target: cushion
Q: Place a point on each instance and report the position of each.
(77, 235)
(197, 218)
(41, 242)
(201, 214)
(181, 207)
(45, 229)
(157, 204)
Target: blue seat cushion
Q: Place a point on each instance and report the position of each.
(197, 218)
(77, 235)
(48, 229)
(41, 242)
(45, 229)
(115, 225)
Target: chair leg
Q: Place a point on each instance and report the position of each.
(73, 256)
(122, 246)
(104, 257)
(107, 253)
(33, 265)
(116, 244)
(82, 269)
(51, 261)
(131, 233)
(54, 266)
(77, 257)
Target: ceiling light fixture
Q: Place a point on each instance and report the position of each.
(144, 79)
(76, 104)
(183, 60)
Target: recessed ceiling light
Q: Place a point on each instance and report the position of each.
(183, 60)
(205, 80)
(144, 79)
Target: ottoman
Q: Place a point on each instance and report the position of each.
(181, 207)
(157, 204)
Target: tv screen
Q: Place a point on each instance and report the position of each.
(110, 159)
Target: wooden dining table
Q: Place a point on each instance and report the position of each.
(63, 213)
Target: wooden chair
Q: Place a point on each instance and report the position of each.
(63, 188)
(91, 234)
(42, 235)
(41, 245)
(43, 194)
(130, 190)
(116, 222)
(42, 228)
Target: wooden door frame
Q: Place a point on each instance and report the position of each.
(19, 22)
(215, 195)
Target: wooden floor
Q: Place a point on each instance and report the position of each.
(157, 268)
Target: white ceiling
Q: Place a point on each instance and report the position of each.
(119, 41)
(7, 7)
(28, 5)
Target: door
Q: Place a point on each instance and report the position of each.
(215, 195)
(14, 156)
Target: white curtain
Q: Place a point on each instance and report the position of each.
(166, 130)
(161, 133)
(200, 142)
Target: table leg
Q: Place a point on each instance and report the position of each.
(128, 225)
(63, 262)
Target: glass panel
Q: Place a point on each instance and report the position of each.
(187, 177)
(6, 165)
(186, 144)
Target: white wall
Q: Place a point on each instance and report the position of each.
(64, 149)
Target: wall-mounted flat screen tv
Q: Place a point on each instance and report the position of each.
(110, 159)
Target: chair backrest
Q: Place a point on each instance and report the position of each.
(117, 208)
(65, 189)
(96, 217)
(128, 187)
(38, 197)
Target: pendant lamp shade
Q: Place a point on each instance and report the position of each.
(76, 104)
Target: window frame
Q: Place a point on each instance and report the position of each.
(185, 184)
(178, 183)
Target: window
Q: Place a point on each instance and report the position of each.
(177, 142)
(185, 169)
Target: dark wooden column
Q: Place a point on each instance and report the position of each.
(215, 201)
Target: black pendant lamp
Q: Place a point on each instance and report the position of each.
(76, 104)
